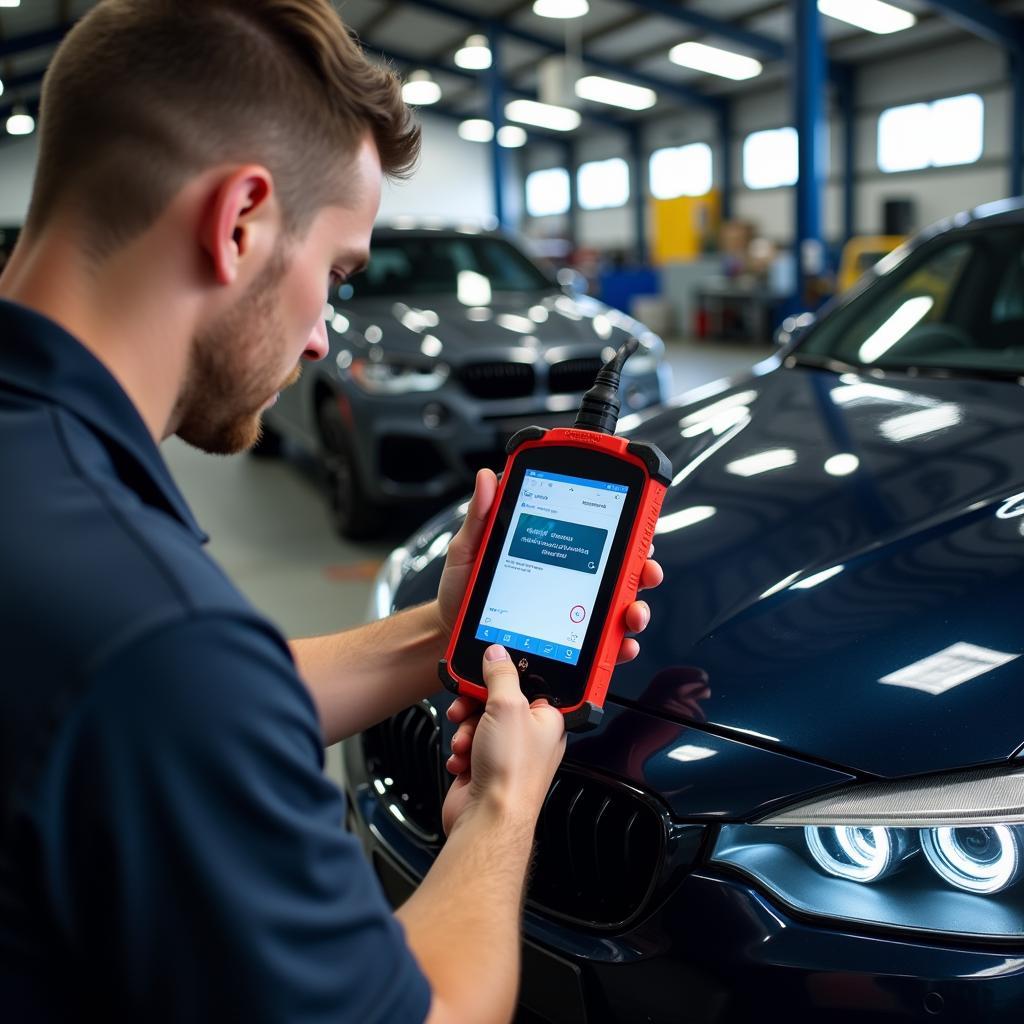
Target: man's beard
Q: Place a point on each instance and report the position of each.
(229, 374)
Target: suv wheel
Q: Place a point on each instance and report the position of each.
(353, 515)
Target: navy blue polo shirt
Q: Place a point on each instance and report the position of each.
(170, 849)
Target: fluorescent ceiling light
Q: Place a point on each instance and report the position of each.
(1, 88)
(476, 129)
(616, 94)
(544, 115)
(475, 55)
(871, 15)
(420, 90)
(10, 3)
(511, 136)
(714, 61)
(20, 123)
(561, 8)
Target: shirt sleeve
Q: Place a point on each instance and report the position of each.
(196, 858)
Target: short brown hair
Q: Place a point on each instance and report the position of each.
(144, 93)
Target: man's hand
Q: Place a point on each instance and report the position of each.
(458, 567)
(510, 751)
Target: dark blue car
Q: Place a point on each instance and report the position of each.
(806, 799)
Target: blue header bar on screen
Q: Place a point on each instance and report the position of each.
(578, 480)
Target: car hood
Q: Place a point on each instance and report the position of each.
(844, 563)
(863, 621)
(525, 321)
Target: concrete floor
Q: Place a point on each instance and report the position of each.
(269, 529)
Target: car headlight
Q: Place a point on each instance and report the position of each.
(390, 376)
(942, 854)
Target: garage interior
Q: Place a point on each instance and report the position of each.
(715, 169)
(688, 213)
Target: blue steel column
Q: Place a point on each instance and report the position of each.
(844, 78)
(1017, 123)
(809, 102)
(496, 104)
(572, 214)
(725, 158)
(636, 166)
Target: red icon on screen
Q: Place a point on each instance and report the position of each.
(578, 613)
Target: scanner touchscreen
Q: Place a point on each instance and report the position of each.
(551, 564)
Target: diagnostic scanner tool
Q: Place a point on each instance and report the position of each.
(561, 558)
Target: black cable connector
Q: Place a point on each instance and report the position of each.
(599, 410)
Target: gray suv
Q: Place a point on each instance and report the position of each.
(447, 344)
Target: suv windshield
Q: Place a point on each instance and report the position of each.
(956, 304)
(469, 267)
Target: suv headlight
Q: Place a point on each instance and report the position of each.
(392, 376)
(942, 854)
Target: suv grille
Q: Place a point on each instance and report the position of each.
(403, 755)
(573, 375)
(497, 380)
(600, 844)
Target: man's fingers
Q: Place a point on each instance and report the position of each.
(501, 677)
(464, 545)
(651, 575)
(462, 741)
(461, 708)
(628, 651)
(638, 614)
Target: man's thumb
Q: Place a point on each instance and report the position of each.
(500, 674)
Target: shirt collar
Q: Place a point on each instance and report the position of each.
(39, 357)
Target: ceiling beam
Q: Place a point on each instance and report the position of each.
(681, 92)
(764, 45)
(34, 40)
(979, 19)
(412, 61)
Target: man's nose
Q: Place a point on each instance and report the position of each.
(317, 346)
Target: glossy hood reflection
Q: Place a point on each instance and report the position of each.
(823, 534)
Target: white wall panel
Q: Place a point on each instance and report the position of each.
(17, 169)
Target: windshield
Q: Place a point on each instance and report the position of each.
(956, 304)
(471, 268)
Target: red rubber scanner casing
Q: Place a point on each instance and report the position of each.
(657, 472)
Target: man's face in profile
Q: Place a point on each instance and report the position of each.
(254, 350)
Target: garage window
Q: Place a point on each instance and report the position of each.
(681, 171)
(770, 158)
(940, 134)
(547, 192)
(603, 184)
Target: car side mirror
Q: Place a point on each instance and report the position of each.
(572, 281)
(793, 328)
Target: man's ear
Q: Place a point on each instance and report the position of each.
(240, 218)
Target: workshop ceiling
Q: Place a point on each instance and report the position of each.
(626, 37)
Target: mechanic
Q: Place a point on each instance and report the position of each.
(169, 846)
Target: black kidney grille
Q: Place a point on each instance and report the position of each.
(573, 375)
(600, 844)
(599, 851)
(403, 755)
(497, 380)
